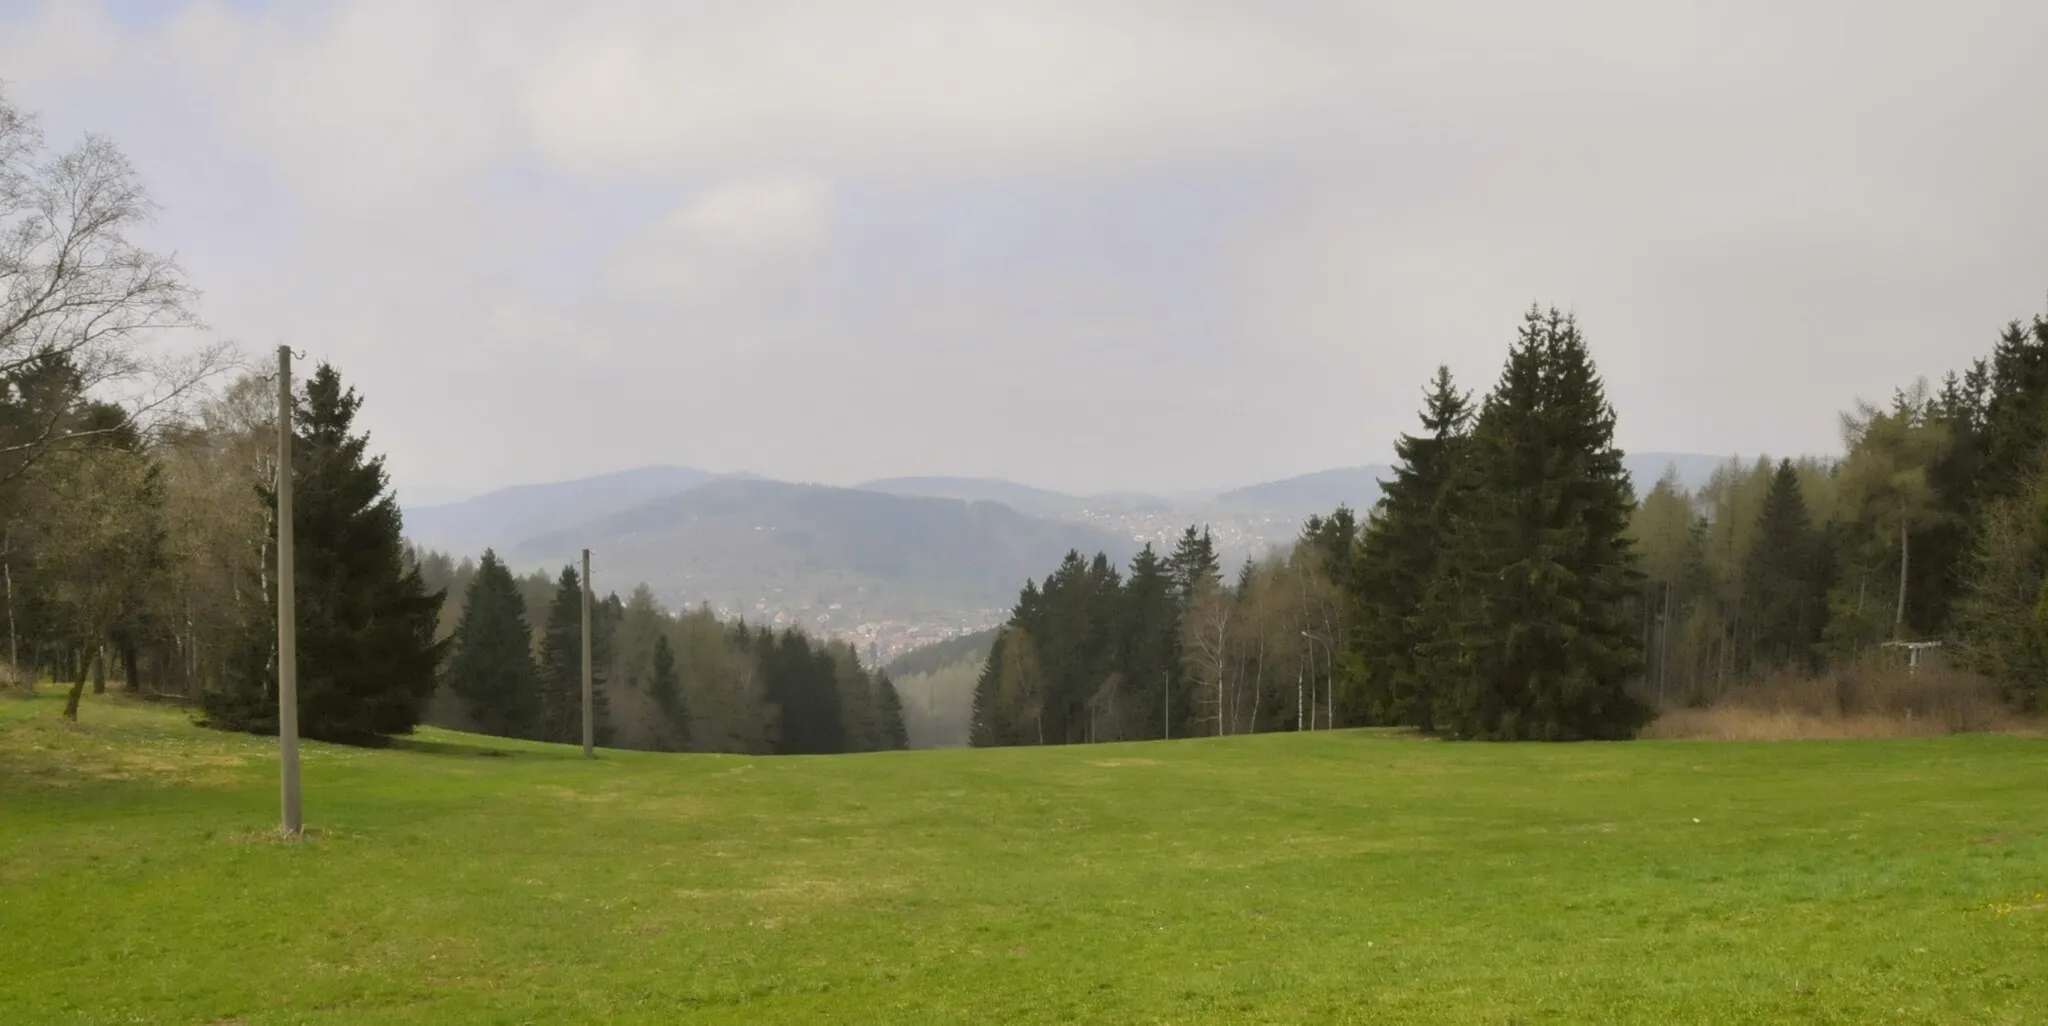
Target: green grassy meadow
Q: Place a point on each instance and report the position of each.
(1336, 877)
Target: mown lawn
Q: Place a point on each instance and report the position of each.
(1340, 877)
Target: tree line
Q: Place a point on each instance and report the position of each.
(663, 682)
(1509, 583)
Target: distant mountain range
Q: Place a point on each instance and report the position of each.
(905, 549)
(846, 553)
(511, 515)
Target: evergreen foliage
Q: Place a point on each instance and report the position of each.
(367, 623)
(1783, 580)
(560, 710)
(490, 664)
(893, 732)
(1530, 634)
(666, 687)
(1397, 558)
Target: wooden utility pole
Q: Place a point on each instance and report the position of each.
(287, 607)
(589, 728)
(13, 649)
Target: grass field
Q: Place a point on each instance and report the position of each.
(1338, 877)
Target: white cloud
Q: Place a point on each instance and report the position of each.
(915, 87)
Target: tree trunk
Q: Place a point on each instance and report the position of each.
(1300, 710)
(99, 669)
(13, 646)
(77, 691)
(1664, 640)
(1899, 619)
(132, 671)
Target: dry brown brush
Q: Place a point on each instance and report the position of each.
(1877, 696)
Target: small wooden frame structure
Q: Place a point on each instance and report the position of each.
(1912, 652)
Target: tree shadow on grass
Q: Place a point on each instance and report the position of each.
(457, 748)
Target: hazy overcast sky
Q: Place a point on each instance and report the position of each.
(1084, 245)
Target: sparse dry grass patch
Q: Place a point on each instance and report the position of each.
(1874, 698)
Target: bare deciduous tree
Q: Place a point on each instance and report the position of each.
(1206, 636)
(77, 292)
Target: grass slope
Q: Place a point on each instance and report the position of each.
(1337, 877)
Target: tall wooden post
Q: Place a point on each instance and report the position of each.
(287, 607)
(589, 728)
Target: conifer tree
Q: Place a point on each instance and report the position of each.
(665, 685)
(1151, 653)
(802, 683)
(561, 668)
(367, 651)
(894, 735)
(1193, 564)
(1397, 556)
(1781, 580)
(491, 660)
(1529, 623)
(986, 724)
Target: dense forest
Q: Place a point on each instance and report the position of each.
(1510, 583)
(664, 682)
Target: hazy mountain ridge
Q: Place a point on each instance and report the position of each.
(1021, 497)
(508, 516)
(877, 556)
(967, 648)
(935, 550)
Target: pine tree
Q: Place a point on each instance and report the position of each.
(1397, 557)
(894, 736)
(802, 683)
(1151, 647)
(666, 687)
(1529, 621)
(1193, 564)
(986, 724)
(1780, 587)
(367, 652)
(561, 668)
(491, 662)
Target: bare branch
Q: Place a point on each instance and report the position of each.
(83, 307)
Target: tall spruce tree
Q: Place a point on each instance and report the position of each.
(1530, 624)
(892, 733)
(366, 621)
(561, 667)
(1781, 585)
(1193, 564)
(802, 682)
(491, 662)
(996, 716)
(1397, 556)
(1151, 652)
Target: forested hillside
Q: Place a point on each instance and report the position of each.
(512, 515)
(665, 681)
(936, 684)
